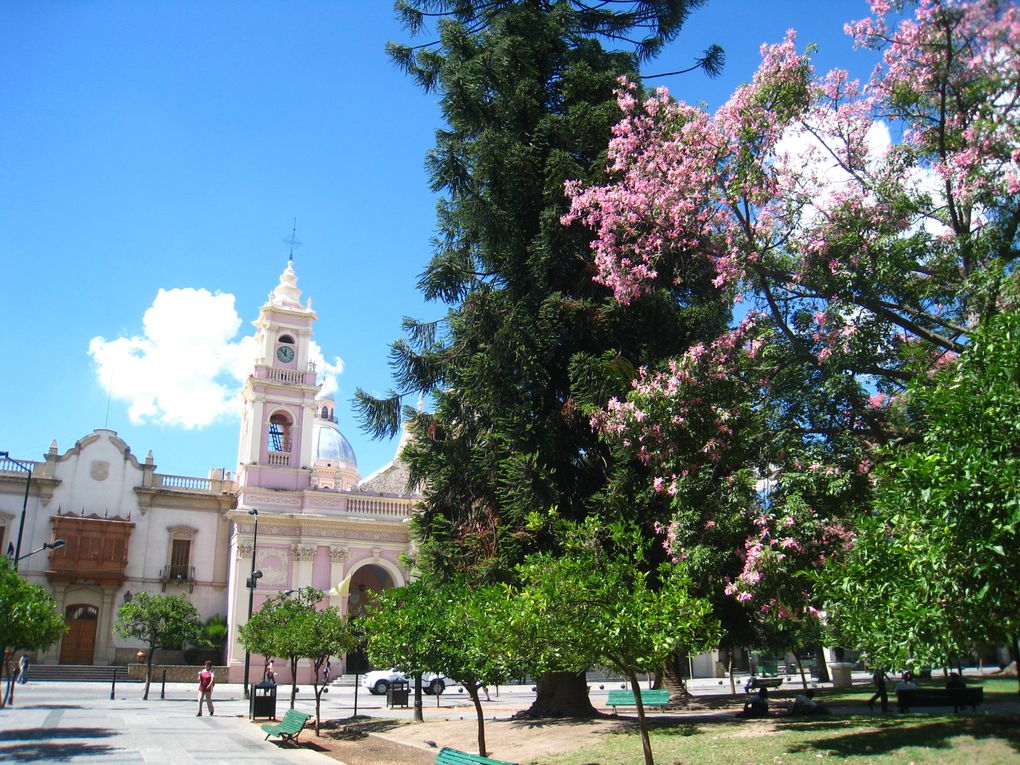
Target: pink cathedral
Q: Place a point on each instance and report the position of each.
(297, 512)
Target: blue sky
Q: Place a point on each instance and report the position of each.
(170, 145)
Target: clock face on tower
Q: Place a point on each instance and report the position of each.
(285, 354)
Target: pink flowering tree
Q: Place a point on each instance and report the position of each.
(867, 254)
(871, 227)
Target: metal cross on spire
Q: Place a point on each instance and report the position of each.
(292, 240)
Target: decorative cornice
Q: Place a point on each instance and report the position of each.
(171, 498)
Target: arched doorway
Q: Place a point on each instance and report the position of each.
(364, 582)
(79, 643)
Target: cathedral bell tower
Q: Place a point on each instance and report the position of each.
(278, 400)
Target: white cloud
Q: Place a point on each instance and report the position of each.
(327, 370)
(188, 365)
(801, 151)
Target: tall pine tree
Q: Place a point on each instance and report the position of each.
(529, 340)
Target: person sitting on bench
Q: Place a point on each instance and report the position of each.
(955, 681)
(757, 704)
(907, 683)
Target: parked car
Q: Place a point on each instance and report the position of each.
(378, 681)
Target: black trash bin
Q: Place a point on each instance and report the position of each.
(397, 694)
(263, 700)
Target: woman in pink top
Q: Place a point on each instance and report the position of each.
(206, 681)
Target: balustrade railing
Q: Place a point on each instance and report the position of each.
(182, 482)
(279, 459)
(283, 376)
(390, 508)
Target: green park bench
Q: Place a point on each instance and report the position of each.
(762, 682)
(449, 756)
(649, 698)
(289, 728)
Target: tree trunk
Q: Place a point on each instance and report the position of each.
(419, 715)
(148, 671)
(800, 668)
(673, 679)
(293, 680)
(473, 693)
(820, 665)
(317, 690)
(561, 694)
(7, 697)
(1016, 660)
(646, 743)
(729, 669)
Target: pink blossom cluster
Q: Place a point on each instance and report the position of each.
(795, 540)
(966, 53)
(796, 183)
(673, 412)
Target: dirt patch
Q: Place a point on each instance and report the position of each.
(412, 744)
(393, 742)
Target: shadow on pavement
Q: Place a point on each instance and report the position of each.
(49, 752)
(37, 734)
(44, 745)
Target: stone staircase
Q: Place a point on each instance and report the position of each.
(76, 673)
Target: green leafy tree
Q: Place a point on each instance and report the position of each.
(870, 269)
(600, 604)
(402, 631)
(526, 93)
(159, 621)
(326, 633)
(443, 626)
(933, 569)
(276, 630)
(29, 621)
(294, 629)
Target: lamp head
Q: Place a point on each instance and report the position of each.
(254, 512)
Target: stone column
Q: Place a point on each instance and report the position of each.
(104, 630)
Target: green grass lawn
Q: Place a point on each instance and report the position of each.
(852, 735)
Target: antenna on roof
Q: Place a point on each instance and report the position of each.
(292, 241)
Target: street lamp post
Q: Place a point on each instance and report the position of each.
(24, 502)
(54, 545)
(252, 580)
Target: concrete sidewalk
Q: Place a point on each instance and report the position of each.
(78, 722)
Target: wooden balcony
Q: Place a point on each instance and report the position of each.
(96, 549)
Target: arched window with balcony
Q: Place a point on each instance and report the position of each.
(278, 434)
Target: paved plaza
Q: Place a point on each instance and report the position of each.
(78, 722)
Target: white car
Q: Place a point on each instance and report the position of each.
(378, 681)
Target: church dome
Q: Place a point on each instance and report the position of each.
(331, 445)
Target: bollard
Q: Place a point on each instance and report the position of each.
(113, 685)
(162, 688)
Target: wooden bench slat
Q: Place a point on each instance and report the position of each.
(447, 756)
(289, 728)
(658, 697)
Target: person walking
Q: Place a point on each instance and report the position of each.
(881, 690)
(23, 669)
(206, 681)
